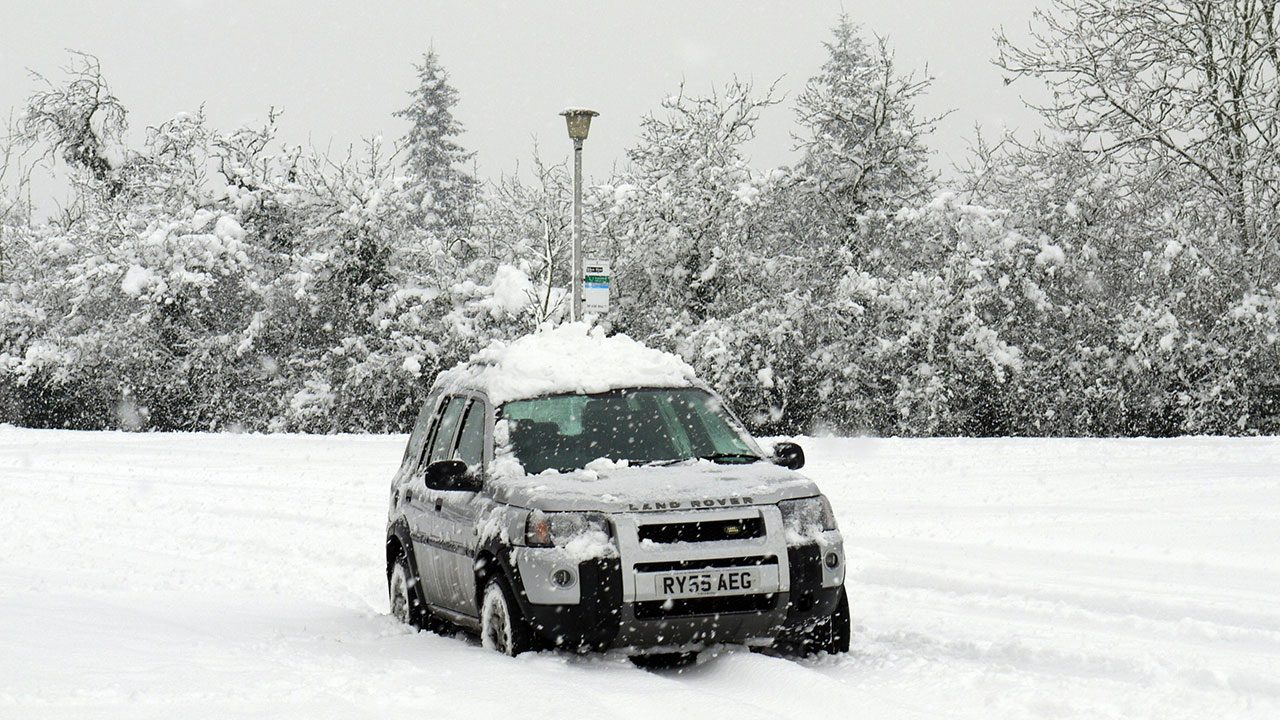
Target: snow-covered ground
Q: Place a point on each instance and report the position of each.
(224, 576)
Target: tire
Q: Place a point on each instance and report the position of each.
(838, 627)
(829, 635)
(402, 592)
(664, 661)
(502, 625)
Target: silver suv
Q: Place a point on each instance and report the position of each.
(633, 517)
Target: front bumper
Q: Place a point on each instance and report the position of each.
(604, 610)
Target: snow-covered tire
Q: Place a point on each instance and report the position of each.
(829, 635)
(402, 591)
(837, 635)
(502, 626)
(665, 661)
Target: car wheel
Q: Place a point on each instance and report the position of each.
(829, 635)
(664, 661)
(502, 627)
(837, 639)
(402, 590)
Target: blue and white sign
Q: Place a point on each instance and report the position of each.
(595, 286)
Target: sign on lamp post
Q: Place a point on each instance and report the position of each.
(595, 280)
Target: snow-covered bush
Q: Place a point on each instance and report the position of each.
(682, 222)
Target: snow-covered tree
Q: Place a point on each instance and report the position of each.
(344, 268)
(441, 189)
(529, 226)
(1160, 332)
(145, 290)
(925, 351)
(1186, 86)
(784, 343)
(862, 142)
(80, 120)
(684, 216)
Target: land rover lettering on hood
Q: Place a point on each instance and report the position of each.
(581, 491)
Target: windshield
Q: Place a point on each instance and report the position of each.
(566, 432)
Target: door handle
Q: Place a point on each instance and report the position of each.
(439, 503)
(408, 495)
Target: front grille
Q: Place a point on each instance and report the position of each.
(703, 530)
(686, 607)
(667, 565)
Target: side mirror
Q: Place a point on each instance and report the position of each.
(789, 455)
(450, 475)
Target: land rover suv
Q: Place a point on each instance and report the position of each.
(572, 490)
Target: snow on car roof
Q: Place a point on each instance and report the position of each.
(570, 358)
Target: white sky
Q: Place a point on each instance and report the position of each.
(339, 69)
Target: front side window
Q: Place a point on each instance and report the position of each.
(442, 444)
(471, 439)
(650, 425)
(420, 427)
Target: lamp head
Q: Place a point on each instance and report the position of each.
(579, 122)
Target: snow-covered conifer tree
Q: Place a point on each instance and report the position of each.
(440, 189)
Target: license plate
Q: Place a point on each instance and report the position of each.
(697, 583)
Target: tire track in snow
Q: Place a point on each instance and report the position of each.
(1209, 621)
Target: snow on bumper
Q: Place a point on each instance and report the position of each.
(740, 587)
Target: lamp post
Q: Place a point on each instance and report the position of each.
(579, 122)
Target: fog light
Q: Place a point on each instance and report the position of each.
(833, 560)
(562, 578)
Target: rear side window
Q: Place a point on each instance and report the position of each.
(442, 444)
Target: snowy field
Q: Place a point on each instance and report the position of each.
(214, 576)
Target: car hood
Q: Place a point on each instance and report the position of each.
(605, 487)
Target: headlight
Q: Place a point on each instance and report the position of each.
(806, 517)
(544, 529)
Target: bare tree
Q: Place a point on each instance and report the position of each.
(531, 223)
(80, 119)
(15, 209)
(1188, 86)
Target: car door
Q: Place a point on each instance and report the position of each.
(423, 506)
(458, 519)
(408, 492)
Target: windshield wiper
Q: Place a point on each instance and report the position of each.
(713, 457)
(717, 457)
